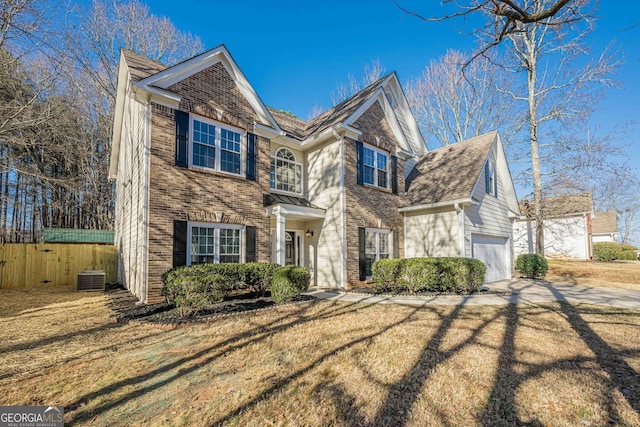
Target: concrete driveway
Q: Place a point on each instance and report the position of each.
(506, 292)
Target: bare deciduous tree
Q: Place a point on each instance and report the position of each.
(542, 40)
(451, 105)
(372, 72)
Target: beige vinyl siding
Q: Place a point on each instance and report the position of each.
(323, 186)
(490, 216)
(131, 198)
(432, 233)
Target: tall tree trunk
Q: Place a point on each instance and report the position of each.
(533, 137)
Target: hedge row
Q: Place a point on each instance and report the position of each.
(532, 266)
(609, 251)
(193, 288)
(448, 274)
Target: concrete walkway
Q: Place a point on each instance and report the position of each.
(508, 291)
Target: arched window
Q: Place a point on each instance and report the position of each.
(286, 173)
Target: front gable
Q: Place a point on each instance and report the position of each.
(200, 74)
(376, 129)
(496, 163)
(213, 93)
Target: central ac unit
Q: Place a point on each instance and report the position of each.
(91, 280)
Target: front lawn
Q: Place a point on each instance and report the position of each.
(325, 363)
(615, 274)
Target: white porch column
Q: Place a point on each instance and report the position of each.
(280, 237)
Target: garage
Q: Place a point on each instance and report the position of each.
(494, 252)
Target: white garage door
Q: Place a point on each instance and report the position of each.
(494, 252)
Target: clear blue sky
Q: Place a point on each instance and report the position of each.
(296, 53)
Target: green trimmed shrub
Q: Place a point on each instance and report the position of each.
(288, 282)
(445, 274)
(532, 266)
(607, 251)
(192, 294)
(258, 275)
(385, 273)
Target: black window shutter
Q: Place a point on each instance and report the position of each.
(394, 174)
(252, 156)
(360, 150)
(182, 138)
(487, 178)
(362, 265)
(250, 244)
(179, 243)
(396, 244)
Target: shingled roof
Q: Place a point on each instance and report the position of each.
(554, 207)
(604, 222)
(301, 129)
(140, 66)
(448, 173)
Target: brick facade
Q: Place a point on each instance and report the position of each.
(177, 193)
(369, 206)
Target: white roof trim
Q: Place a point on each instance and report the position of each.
(172, 75)
(286, 209)
(437, 205)
(393, 84)
(118, 116)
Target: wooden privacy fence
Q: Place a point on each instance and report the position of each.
(25, 265)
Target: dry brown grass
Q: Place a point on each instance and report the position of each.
(617, 274)
(328, 363)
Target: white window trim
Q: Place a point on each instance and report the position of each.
(377, 151)
(216, 238)
(377, 232)
(218, 145)
(294, 162)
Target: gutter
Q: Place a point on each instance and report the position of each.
(459, 202)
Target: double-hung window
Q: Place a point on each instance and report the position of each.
(377, 246)
(375, 167)
(216, 146)
(286, 173)
(214, 243)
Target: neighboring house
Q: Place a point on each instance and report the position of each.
(567, 227)
(462, 203)
(604, 227)
(205, 172)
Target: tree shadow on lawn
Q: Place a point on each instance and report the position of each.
(500, 409)
(236, 342)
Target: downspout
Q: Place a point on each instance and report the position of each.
(343, 242)
(460, 210)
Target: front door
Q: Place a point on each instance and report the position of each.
(290, 248)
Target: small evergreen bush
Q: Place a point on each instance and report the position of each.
(192, 294)
(258, 275)
(532, 266)
(607, 251)
(288, 282)
(385, 273)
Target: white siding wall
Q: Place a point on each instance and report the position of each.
(131, 199)
(490, 216)
(323, 186)
(563, 237)
(432, 233)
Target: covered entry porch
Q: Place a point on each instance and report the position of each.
(295, 225)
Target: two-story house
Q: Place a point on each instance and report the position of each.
(205, 172)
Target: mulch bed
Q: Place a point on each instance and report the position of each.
(166, 315)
